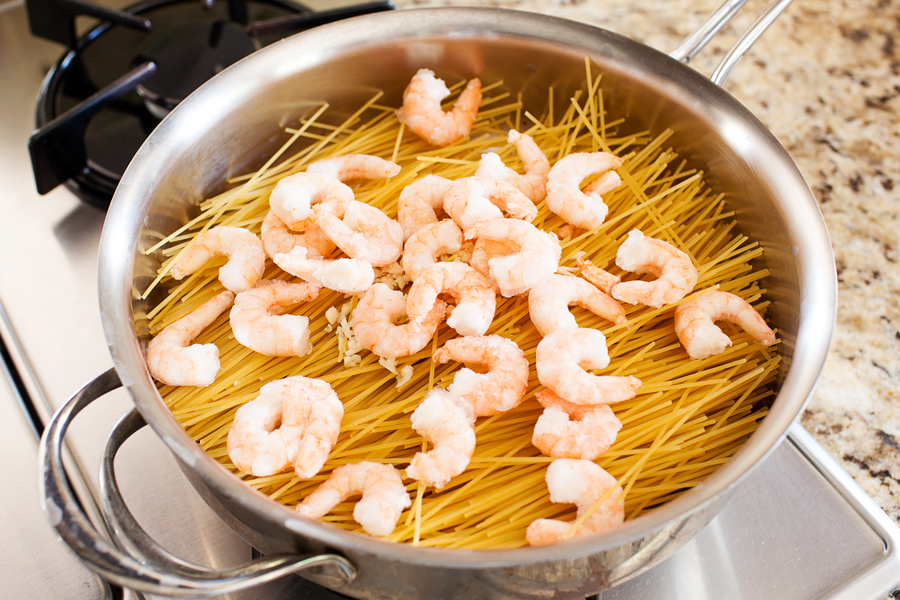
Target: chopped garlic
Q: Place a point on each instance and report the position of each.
(332, 315)
(406, 373)
(389, 363)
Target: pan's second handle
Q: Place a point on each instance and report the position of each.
(153, 571)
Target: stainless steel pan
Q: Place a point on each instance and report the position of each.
(233, 123)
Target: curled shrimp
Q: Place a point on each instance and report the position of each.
(170, 358)
(278, 239)
(383, 496)
(499, 389)
(601, 279)
(294, 421)
(701, 337)
(471, 200)
(534, 182)
(548, 303)
(474, 295)
(428, 243)
(345, 275)
(257, 323)
(566, 430)
(561, 359)
(374, 323)
(293, 199)
(536, 256)
(582, 483)
(581, 209)
(422, 112)
(351, 167)
(482, 253)
(419, 202)
(449, 424)
(246, 257)
(675, 274)
(365, 233)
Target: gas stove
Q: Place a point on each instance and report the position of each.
(797, 528)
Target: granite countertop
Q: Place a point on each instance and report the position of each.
(825, 79)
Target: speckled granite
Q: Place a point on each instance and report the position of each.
(825, 79)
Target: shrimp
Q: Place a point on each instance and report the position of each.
(566, 430)
(172, 361)
(419, 202)
(278, 239)
(449, 424)
(696, 329)
(561, 358)
(365, 233)
(581, 209)
(428, 243)
(375, 325)
(345, 275)
(469, 201)
(351, 167)
(246, 257)
(476, 301)
(482, 253)
(257, 324)
(383, 496)
(534, 182)
(294, 421)
(293, 199)
(502, 387)
(675, 274)
(549, 300)
(602, 280)
(535, 259)
(422, 112)
(582, 483)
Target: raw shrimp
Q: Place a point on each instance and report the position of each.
(419, 202)
(449, 424)
(675, 274)
(470, 200)
(428, 243)
(293, 199)
(536, 257)
(345, 275)
(701, 337)
(534, 182)
(582, 483)
(602, 280)
(561, 358)
(365, 233)
(502, 387)
(278, 239)
(422, 112)
(294, 421)
(257, 324)
(351, 167)
(383, 496)
(246, 257)
(581, 209)
(548, 303)
(474, 295)
(566, 430)
(172, 361)
(375, 325)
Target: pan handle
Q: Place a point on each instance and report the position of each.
(150, 568)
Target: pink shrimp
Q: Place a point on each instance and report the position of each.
(561, 359)
(601, 279)
(586, 210)
(474, 294)
(294, 421)
(170, 358)
(549, 300)
(351, 167)
(257, 323)
(428, 243)
(422, 112)
(470, 200)
(482, 253)
(449, 424)
(383, 496)
(499, 389)
(293, 199)
(582, 483)
(534, 182)
(246, 257)
(567, 430)
(675, 274)
(375, 325)
(346, 275)
(365, 233)
(701, 337)
(419, 202)
(278, 239)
